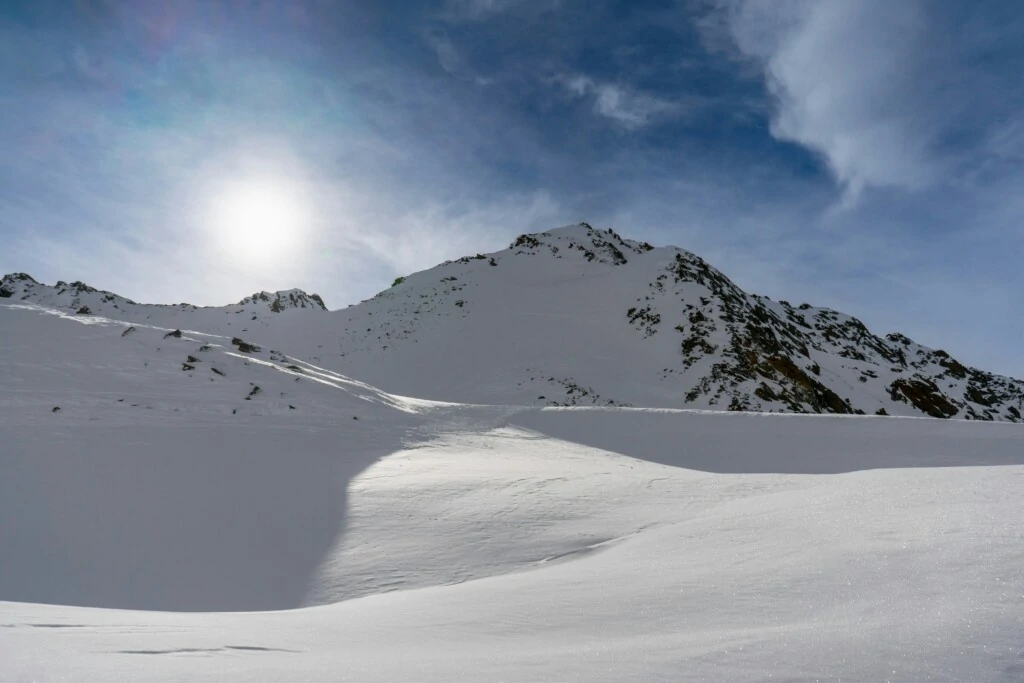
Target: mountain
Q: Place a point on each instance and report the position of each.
(579, 316)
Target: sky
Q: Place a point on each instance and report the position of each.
(867, 156)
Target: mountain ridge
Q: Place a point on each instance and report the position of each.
(64, 295)
(580, 316)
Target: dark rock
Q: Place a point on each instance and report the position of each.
(953, 368)
(924, 395)
(81, 287)
(244, 346)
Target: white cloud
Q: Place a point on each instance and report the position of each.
(625, 106)
(851, 82)
(921, 101)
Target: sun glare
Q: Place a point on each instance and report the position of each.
(259, 222)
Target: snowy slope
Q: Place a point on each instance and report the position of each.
(440, 541)
(577, 316)
(149, 468)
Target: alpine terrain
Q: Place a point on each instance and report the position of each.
(579, 316)
(582, 458)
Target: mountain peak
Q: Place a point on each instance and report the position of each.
(11, 283)
(18, 277)
(581, 240)
(284, 299)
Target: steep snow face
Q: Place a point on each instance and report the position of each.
(577, 316)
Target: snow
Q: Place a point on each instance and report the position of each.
(170, 524)
(538, 559)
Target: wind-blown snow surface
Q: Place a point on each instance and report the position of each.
(440, 541)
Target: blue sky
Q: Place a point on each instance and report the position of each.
(861, 155)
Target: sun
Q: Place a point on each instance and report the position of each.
(259, 222)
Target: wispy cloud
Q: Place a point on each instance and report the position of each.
(451, 60)
(622, 104)
(480, 10)
(431, 232)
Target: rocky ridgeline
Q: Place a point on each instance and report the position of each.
(581, 241)
(758, 351)
(78, 297)
(282, 301)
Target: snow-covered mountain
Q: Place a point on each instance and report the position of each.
(579, 316)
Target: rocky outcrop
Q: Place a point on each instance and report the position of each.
(284, 300)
